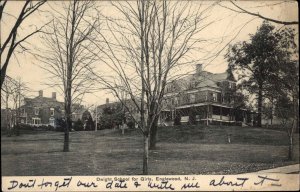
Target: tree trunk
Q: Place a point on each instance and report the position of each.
(146, 154)
(66, 136)
(153, 134)
(7, 116)
(296, 114)
(68, 119)
(66, 140)
(259, 102)
(290, 155)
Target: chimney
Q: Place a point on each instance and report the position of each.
(40, 93)
(198, 68)
(54, 95)
(107, 100)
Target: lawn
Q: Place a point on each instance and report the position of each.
(180, 150)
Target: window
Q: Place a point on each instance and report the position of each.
(214, 96)
(23, 112)
(52, 111)
(193, 84)
(176, 100)
(36, 121)
(51, 121)
(36, 111)
(192, 98)
(231, 85)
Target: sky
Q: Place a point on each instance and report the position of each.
(229, 27)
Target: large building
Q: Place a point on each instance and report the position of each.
(202, 97)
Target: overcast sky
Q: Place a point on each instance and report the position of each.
(229, 27)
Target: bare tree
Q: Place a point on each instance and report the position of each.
(237, 8)
(12, 94)
(14, 39)
(69, 55)
(7, 90)
(145, 49)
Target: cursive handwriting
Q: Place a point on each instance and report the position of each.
(45, 184)
(29, 184)
(88, 184)
(190, 185)
(239, 183)
(118, 184)
(266, 178)
(161, 185)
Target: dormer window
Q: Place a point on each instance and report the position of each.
(214, 96)
(192, 98)
(52, 111)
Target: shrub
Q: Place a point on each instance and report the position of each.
(78, 125)
(177, 120)
(90, 125)
(130, 124)
(60, 125)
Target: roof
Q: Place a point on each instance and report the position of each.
(205, 79)
(208, 79)
(115, 103)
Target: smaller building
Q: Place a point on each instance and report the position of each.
(118, 113)
(42, 110)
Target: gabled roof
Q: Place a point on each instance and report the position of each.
(204, 79)
(207, 79)
(42, 101)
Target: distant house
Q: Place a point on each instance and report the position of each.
(41, 110)
(46, 110)
(130, 107)
(202, 97)
(77, 112)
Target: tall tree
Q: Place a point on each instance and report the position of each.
(14, 39)
(260, 59)
(286, 99)
(69, 55)
(147, 44)
(12, 95)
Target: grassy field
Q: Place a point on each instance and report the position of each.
(180, 150)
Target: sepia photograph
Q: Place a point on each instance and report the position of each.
(149, 87)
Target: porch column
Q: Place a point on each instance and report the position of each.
(221, 116)
(173, 113)
(207, 114)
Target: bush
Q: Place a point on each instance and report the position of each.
(78, 125)
(177, 120)
(60, 125)
(50, 128)
(130, 124)
(90, 125)
(26, 127)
